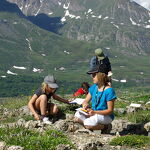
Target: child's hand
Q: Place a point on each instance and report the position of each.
(91, 112)
(37, 117)
(71, 99)
(85, 106)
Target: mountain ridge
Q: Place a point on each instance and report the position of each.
(30, 51)
(126, 21)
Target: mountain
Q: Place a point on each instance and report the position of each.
(118, 23)
(28, 51)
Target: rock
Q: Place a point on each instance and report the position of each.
(11, 125)
(25, 111)
(63, 147)
(92, 145)
(69, 116)
(61, 125)
(87, 131)
(74, 126)
(131, 109)
(21, 122)
(120, 110)
(147, 127)
(147, 105)
(32, 124)
(119, 125)
(15, 148)
(2, 145)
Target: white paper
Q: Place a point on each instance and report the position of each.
(77, 101)
(79, 109)
(135, 105)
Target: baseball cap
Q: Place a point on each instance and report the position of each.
(99, 53)
(50, 80)
(98, 68)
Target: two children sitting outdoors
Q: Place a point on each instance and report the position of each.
(101, 95)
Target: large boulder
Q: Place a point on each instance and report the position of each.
(2, 145)
(61, 125)
(15, 148)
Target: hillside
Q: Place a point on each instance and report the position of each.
(119, 23)
(30, 52)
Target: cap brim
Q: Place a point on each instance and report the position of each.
(92, 71)
(53, 85)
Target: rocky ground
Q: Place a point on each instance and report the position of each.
(82, 138)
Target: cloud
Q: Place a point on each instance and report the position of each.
(144, 3)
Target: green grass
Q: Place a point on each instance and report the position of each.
(32, 140)
(141, 116)
(14, 103)
(131, 141)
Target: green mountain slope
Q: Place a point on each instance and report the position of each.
(121, 23)
(39, 52)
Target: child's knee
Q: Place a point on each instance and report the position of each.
(43, 99)
(76, 119)
(55, 109)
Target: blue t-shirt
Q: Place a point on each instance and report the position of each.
(107, 95)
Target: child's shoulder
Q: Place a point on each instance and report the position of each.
(109, 88)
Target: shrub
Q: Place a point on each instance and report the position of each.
(130, 140)
(142, 116)
(33, 140)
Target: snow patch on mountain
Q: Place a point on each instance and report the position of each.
(9, 72)
(67, 52)
(66, 6)
(90, 11)
(67, 14)
(115, 80)
(62, 68)
(106, 17)
(29, 44)
(147, 26)
(37, 70)
(116, 26)
(41, 3)
(59, 3)
(16, 67)
(123, 81)
(43, 54)
(134, 23)
(3, 76)
(50, 13)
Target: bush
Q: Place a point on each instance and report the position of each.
(130, 140)
(33, 140)
(142, 116)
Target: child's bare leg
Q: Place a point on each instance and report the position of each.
(97, 127)
(52, 109)
(41, 104)
(78, 120)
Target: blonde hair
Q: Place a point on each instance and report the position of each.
(102, 79)
(45, 87)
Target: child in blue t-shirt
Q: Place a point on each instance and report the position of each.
(102, 98)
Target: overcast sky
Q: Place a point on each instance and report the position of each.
(144, 3)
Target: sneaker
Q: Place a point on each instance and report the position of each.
(46, 120)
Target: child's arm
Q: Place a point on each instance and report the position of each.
(30, 105)
(60, 99)
(108, 111)
(86, 101)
